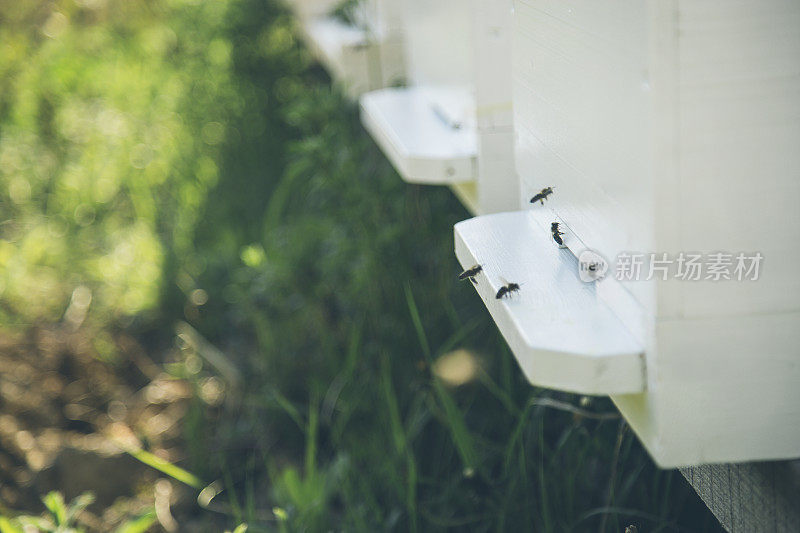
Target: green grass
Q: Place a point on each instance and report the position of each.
(173, 471)
(331, 285)
(61, 517)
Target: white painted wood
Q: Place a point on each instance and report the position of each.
(428, 130)
(497, 185)
(457, 52)
(581, 105)
(427, 133)
(313, 8)
(467, 194)
(739, 132)
(346, 52)
(563, 335)
(670, 126)
(384, 20)
(363, 56)
(438, 42)
(723, 389)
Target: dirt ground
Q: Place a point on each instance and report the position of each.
(65, 417)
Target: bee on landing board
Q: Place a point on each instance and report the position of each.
(507, 290)
(470, 274)
(542, 195)
(557, 233)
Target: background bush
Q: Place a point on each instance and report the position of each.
(113, 115)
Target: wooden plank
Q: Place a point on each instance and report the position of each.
(750, 497)
(559, 329)
(438, 42)
(312, 8)
(349, 53)
(428, 133)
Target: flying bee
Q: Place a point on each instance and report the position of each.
(557, 233)
(507, 290)
(470, 274)
(542, 195)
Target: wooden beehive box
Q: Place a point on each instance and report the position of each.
(452, 123)
(312, 8)
(665, 127)
(361, 54)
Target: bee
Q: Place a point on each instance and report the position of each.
(470, 274)
(557, 233)
(507, 289)
(542, 195)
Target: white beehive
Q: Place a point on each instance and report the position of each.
(452, 124)
(664, 126)
(363, 54)
(313, 8)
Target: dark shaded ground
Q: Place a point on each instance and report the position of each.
(62, 412)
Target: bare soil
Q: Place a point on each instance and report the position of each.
(66, 415)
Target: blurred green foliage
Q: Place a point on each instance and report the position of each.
(61, 517)
(112, 117)
(187, 160)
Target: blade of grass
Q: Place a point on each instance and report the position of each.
(354, 342)
(279, 198)
(412, 308)
(458, 336)
(400, 440)
(515, 435)
(411, 491)
(287, 406)
(612, 478)
(6, 526)
(458, 426)
(77, 505)
(140, 524)
(543, 489)
(455, 419)
(233, 498)
(54, 502)
(530, 519)
(499, 393)
(250, 491)
(311, 435)
(396, 425)
(175, 472)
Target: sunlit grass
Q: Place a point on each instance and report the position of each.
(102, 172)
